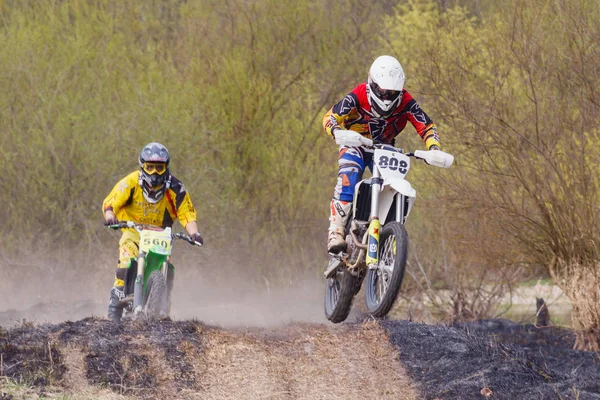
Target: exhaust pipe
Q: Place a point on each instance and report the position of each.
(358, 243)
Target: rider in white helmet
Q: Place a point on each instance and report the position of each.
(379, 110)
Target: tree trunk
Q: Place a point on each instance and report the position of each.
(580, 280)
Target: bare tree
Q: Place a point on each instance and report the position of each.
(519, 90)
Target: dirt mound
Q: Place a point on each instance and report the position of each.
(500, 358)
(95, 358)
(188, 360)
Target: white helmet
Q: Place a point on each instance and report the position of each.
(384, 86)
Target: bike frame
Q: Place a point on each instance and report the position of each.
(154, 252)
(390, 166)
(385, 187)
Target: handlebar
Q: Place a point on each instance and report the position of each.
(351, 138)
(436, 158)
(141, 227)
(187, 238)
(124, 224)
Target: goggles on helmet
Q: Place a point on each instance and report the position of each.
(384, 94)
(153, 167)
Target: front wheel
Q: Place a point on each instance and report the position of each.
(383, 282)
(156, 301)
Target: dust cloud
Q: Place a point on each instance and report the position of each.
(211, 291)
(230, 302)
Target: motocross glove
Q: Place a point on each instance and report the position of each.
(111, 221)
(197, 238)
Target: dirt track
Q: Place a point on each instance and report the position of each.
(94, 358)
(187, 360)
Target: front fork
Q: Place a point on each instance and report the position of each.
(372, 256)
(138, 296)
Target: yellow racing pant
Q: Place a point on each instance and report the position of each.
(128, 249)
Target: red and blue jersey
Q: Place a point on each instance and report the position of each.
(353, 112)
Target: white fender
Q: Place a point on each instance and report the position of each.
(401, 186)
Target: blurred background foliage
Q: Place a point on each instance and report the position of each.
(237, 90)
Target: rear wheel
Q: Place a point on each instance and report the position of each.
(383, 282)
(339, 292)
(156, 301)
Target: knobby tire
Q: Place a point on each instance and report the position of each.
(337, 310)
(379, 308)
(156, 303)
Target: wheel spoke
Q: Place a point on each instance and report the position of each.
(335, 287)
(385, 267)
(380, 285)
(385, 278)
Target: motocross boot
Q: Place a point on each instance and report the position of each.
(340, 210)
(115, 310)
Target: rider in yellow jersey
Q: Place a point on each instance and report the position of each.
(149, 196)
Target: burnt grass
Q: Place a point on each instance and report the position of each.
(498, 357)
(113, 351)
(117, 356)
(28, 354)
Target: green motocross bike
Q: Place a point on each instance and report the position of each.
(149, 276)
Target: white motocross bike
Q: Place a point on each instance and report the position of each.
(372, 252)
